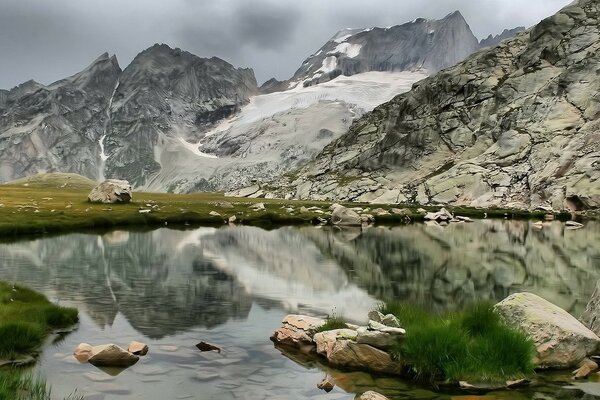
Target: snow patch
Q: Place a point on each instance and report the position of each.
(195, 148)
(329, 65)
(350, 49)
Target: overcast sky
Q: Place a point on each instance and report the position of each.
(47, 40)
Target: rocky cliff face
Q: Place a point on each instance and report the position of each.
(55, 127)
(429, 45)
(516, 125)
(166, 93)
(107, 122)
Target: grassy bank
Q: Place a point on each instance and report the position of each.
(58, 205)
(26, 320)
(471, 345)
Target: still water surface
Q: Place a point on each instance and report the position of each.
(232, 287)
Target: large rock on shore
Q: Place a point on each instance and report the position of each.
(343, 216)
(297, 330)
(341, 349)
(561, 340)
(370, 395)
(111, 191)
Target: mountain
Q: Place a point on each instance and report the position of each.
(515, 125)
(172, 121)
(422, 44)
(492, 41)
(105, 121)
(54, 127)
(168, 93)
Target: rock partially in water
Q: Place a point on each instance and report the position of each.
(297, 330)
(138, 348)
(327, 384)
(343, 216)
(560, 339)
(203, 346)
(111, 355)
(586, 367)
(83, 352)
(341, 349)
(111, 191)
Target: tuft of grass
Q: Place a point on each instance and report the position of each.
(473, 344)
(26, 319)
(332, 324)
(17, 386)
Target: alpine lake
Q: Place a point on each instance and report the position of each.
(232, 286)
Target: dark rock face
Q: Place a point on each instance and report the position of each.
(422, 44)
(105, 121)
(515, 125)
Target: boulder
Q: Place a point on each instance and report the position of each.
(376, 316)
(370, 395)
(297, 330)
(83, 352)
(561, 340)
(111, 355)
(111, 191)
(391, 321)
(341, 350)
(343, 216)
(378, 339)
(258, 206)
(214, 214)
(586, 367)
(327, 384)
(440, 216)
(376, 326)
(137, 348)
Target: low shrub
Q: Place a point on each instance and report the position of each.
(332, 324)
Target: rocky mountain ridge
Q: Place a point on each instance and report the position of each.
(172, 121)
(515, 125)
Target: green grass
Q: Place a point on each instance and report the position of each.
(26, 319)
(16, 385)
(332, 323)
(472, 345)
(56, 203)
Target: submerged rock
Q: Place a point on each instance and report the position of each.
(561, 340)
(111, 191)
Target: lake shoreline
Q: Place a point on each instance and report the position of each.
(31, 210)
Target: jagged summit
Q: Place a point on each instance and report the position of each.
(418, 45)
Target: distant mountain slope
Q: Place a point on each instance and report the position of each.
(107, 122)
(492, 41)
(515, 125)
(429, 45)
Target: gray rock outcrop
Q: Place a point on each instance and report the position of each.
(111, 191)
(515, 125)
(561, 340)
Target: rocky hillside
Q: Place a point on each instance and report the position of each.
(56, 127)
(495, 40)
(516, 125)
(107, 122)
(422, 44)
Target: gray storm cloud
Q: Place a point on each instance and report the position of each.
(48, 40)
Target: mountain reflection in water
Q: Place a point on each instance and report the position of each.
(167, 281)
